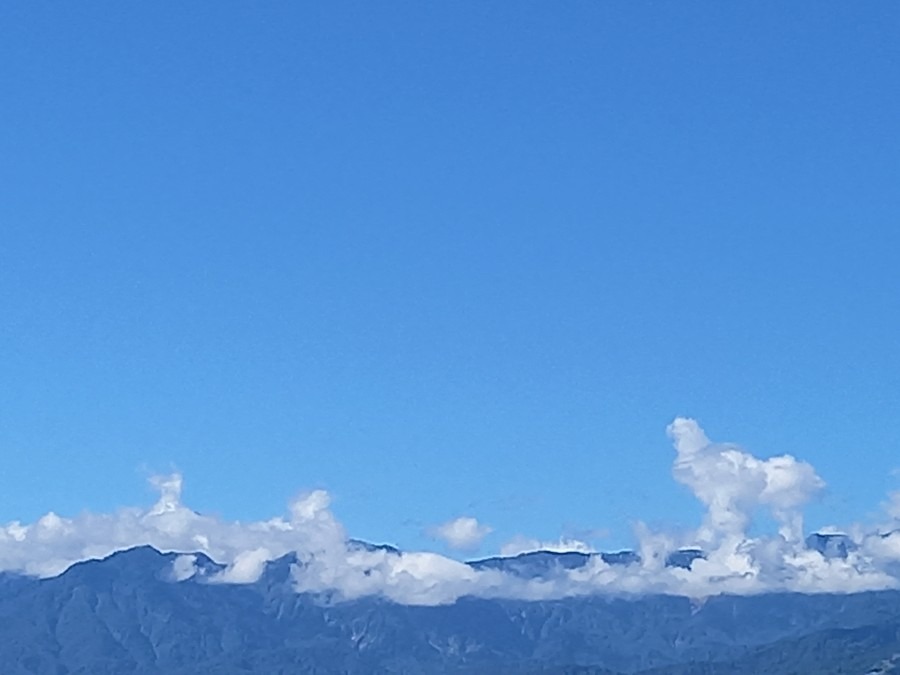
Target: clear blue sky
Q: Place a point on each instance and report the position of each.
(445, 258)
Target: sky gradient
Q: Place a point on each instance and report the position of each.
(442, 260)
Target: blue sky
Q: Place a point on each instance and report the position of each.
(445, 259)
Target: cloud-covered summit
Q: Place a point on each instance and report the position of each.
(732, 485)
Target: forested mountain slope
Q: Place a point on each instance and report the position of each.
(127, 614)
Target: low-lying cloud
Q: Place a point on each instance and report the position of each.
(522, 544)
(732, 484)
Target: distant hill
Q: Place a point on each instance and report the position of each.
(129, 614)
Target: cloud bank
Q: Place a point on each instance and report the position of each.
(732, 484)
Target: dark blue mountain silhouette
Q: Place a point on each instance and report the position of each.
(127, 614)
(543, 563)
(830, 545)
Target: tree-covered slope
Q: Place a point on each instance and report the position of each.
(127, 614)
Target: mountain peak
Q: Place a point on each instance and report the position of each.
(830, 544)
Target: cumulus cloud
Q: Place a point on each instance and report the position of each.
(731, 483)
(462, 534)
(50, 545)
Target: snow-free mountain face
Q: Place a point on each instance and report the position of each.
(831, 545)
(537, 564)
(130, 613)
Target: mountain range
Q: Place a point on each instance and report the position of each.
(128, 613)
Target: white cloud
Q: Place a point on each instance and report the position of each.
(184, 567)
(246, 567)
(522, 544)
(462, 534)
(731, 483)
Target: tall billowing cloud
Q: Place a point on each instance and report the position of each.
(731, 483)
